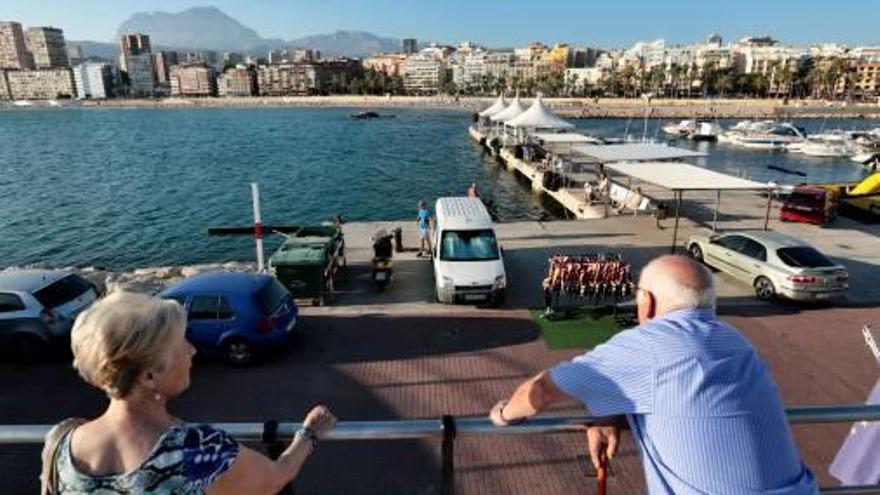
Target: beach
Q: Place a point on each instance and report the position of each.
(566, 107)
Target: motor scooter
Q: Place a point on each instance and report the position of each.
(382, 252)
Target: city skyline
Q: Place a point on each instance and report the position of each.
(491, 23)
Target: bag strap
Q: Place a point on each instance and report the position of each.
(49, 473)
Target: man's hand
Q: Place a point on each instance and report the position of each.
(603, 443)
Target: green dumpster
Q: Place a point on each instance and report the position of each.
(308, 261)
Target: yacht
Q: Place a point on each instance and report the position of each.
(742, 128)
(824, 148)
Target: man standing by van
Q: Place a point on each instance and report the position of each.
(425, 221)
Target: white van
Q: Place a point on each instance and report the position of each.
(468, 265)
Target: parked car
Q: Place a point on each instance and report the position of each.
(773, 264)
(809, 205)
(38, 308)
(235, 315)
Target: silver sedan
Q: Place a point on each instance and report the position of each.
(773, 264)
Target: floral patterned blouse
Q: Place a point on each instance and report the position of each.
(185, 460)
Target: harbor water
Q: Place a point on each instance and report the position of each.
(131, 188)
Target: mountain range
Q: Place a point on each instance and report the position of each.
(209, 28)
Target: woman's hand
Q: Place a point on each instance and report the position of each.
(320, 420)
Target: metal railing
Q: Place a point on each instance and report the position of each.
(447, 429)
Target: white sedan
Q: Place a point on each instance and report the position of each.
(773, 264)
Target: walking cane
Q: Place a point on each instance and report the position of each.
(601, 473)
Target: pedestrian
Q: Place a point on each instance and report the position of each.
(133, 347)
(700, 402)
(425, 221)
(473, 191)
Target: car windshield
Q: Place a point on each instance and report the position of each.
(468, 245)
(62, 291)
(803, 257)
(272, 296)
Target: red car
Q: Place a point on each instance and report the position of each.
(809, 205)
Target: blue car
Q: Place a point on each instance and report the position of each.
(235, 315)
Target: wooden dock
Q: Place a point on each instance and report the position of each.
(572, 199)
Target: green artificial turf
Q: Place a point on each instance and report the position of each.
(577, 328)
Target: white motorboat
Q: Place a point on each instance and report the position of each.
(828, 149)
(777, 138)
(743, 128)
(680, 129)
(705, 131)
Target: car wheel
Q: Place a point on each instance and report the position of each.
(29, 349)
(696, 252)
(764, 289)
(238, 352)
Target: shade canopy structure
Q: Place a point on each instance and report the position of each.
(499, 106)
(538, 116)
(633, 152)
(564, 138)
(679, 177)
(511, 112)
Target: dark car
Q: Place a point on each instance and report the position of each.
(38, 307)
(809, 205)
(235, 315)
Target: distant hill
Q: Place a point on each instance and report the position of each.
(348, 43)
(198, 28)
(209, 28)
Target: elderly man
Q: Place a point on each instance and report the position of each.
(699, 400)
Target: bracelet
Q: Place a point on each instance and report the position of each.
(507, 421)
(307, 433)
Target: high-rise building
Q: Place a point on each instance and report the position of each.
(13, 50)
(135, 44)
(46, 45)
(136, 63)
(93, 80)
(410, 46)
(162, 63)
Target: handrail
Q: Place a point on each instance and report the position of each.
(448, 428)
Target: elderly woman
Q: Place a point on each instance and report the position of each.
(133, 348)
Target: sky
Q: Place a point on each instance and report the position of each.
(494, 23)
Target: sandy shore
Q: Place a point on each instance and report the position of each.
(567, 107)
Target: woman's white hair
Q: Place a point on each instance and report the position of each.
(679, 283)
(121, 336)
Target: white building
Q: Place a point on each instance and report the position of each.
(93, 80)
(424, 72)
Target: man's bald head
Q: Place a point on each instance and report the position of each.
(677, 282)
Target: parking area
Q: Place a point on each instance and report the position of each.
(396, 354)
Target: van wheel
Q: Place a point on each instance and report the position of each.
(237, 352)
(764, 289)
(29, 349)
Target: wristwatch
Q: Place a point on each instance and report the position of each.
(307, 433)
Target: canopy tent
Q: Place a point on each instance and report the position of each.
(679, 177)
(633, 152)
(538, 116)
(499, 105)
(511, 112)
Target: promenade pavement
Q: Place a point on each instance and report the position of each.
(396, 354)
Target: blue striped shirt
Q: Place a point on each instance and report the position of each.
(702, 406)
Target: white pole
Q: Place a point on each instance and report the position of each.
(258, 226)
